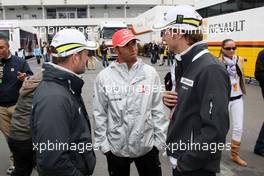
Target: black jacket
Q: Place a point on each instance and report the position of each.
(201, 114)
(59, 117)
(259, 71)
(9, 88)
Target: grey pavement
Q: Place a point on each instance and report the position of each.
(254, 117)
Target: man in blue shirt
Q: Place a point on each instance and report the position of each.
(14, 71)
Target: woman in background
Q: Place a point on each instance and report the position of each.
(234, 66)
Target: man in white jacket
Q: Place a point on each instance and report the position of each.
(128, 112)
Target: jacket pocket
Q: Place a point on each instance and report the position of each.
(117, 138)
(78, 161)
(85, 162)
(147, 132)
(89, 161)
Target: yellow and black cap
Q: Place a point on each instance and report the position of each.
(70, 41)
(183, 17)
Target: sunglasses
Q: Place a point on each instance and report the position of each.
(230, 48)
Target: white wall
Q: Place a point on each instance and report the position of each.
(176, 2)
(97, 2)
(1, 15)
(76, 2)
(146, 20)
(134, 10)
(63, 22)
(19, 2)
(99, 12)
(62, 2)
(25, 14)
(143, 2)
(112, 12)
(244, 23)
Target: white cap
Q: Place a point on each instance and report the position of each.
(70, 41)
(183, 17)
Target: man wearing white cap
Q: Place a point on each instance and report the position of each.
(199, 102)
(130, 125)
(60, 124)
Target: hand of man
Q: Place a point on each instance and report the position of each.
(170, 98)
(21, 76)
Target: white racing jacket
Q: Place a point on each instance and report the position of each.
(128, 110)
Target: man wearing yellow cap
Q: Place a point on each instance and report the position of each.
(199, 102)
(61, 131)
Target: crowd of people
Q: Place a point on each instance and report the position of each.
(130, 124)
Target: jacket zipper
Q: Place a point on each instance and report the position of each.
(210, 108)
(69, 82)
(192, 136)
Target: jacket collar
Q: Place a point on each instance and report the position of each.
(187, 56)
(63, 76)
(10, 56)
(124, 66)
(132, 74)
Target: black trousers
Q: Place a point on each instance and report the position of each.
(24, 157)
(262, 91)
(147, 165)
(199, 172)
(260, 141)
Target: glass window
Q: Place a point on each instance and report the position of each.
(5, 33)
(203, 12)
(259, 3)
(229, 6)
(62, 15)
(108, 32)
(81, 13)
(61, 9)
(51, 13)
(71, 14)
(246, 4)
(214, 10)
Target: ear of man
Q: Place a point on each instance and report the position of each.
(177, 35)
(116, 50)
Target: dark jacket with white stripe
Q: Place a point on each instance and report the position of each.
(60, 122)
(201, 114)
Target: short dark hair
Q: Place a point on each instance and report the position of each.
(193, 36)
(58, 60)
(4, 37)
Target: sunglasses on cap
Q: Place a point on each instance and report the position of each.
(230, 48)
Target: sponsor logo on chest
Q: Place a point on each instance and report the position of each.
(187, 82)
